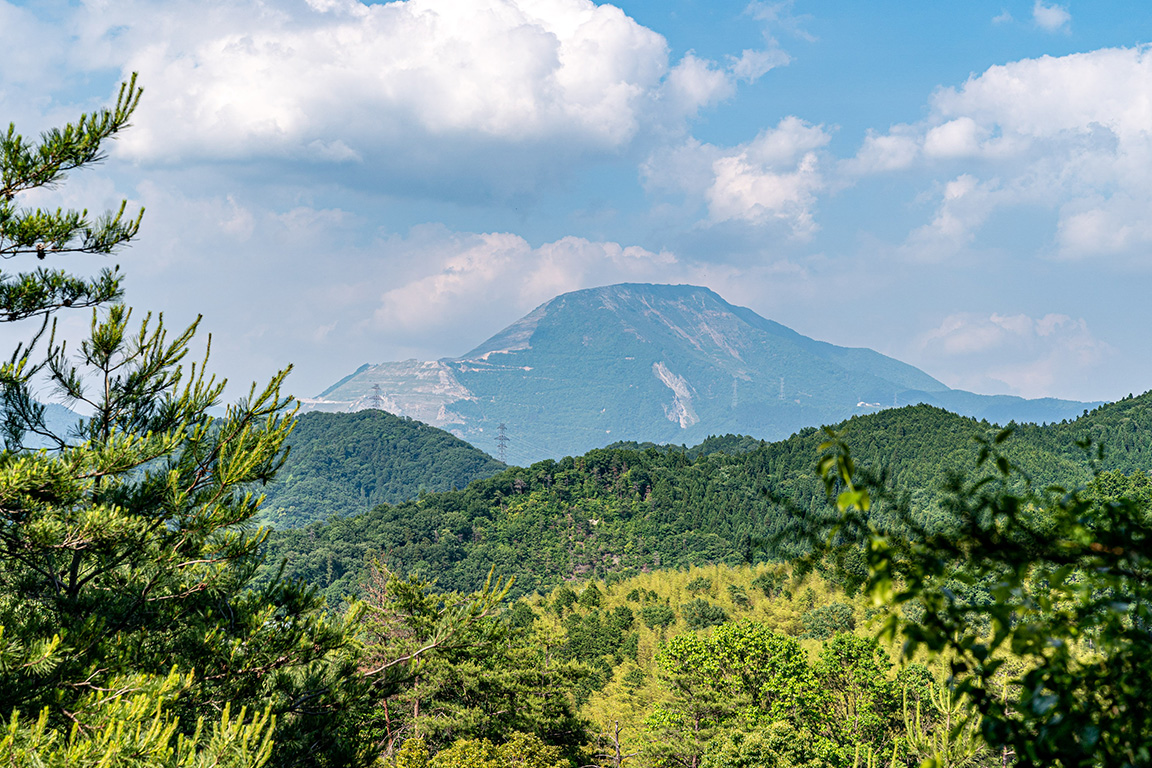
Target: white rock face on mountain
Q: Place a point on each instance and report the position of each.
(680, 411)
(420, 390)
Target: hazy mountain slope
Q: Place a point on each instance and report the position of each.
(344, 463)
(59, 420)
(1000, 408)
(857, 359)
(655, 363)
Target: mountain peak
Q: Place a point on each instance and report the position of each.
(660, 363)
(618, 298)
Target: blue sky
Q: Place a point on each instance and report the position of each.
(963, 186)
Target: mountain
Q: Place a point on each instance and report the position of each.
(660, 363)
(343, 463)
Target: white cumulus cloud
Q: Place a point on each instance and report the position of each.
(772, 180)
(347, 81)
(1068, 133)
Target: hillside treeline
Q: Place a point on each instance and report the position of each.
(627, 510)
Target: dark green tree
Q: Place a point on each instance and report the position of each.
(126, 553)
(657, 615)
(700, 613)
(826, 620)
(29, 165)
(454, 667)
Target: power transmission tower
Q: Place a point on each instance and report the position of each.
(377, 400)
(501, 442)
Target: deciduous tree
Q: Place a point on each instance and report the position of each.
(1070, 576)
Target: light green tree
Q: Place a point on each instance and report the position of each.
(740, 676)
(133, 726)
(853, 675)
(520, 750)
(942, 730)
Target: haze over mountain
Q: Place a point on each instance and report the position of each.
(658, 363)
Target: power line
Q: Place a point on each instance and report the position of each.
(502, 442)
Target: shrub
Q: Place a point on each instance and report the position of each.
(700, 584)
(827, 620)
(700, 613)
(657, 615)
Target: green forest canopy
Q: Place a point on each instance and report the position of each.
(625, 510)
(343, 463)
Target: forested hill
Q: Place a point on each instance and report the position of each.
(616, 509)
(344, 463)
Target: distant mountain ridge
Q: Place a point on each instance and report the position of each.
(659, 363)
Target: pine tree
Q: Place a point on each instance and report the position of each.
(127, 551)
(26, 166)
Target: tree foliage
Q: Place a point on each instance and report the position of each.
(127, 615)
(458, 667)
(1070, 579)
(29, 165)
(133, 725)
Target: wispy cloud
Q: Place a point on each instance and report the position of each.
(1051, 18)
(487, 280)
(1012, 353)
